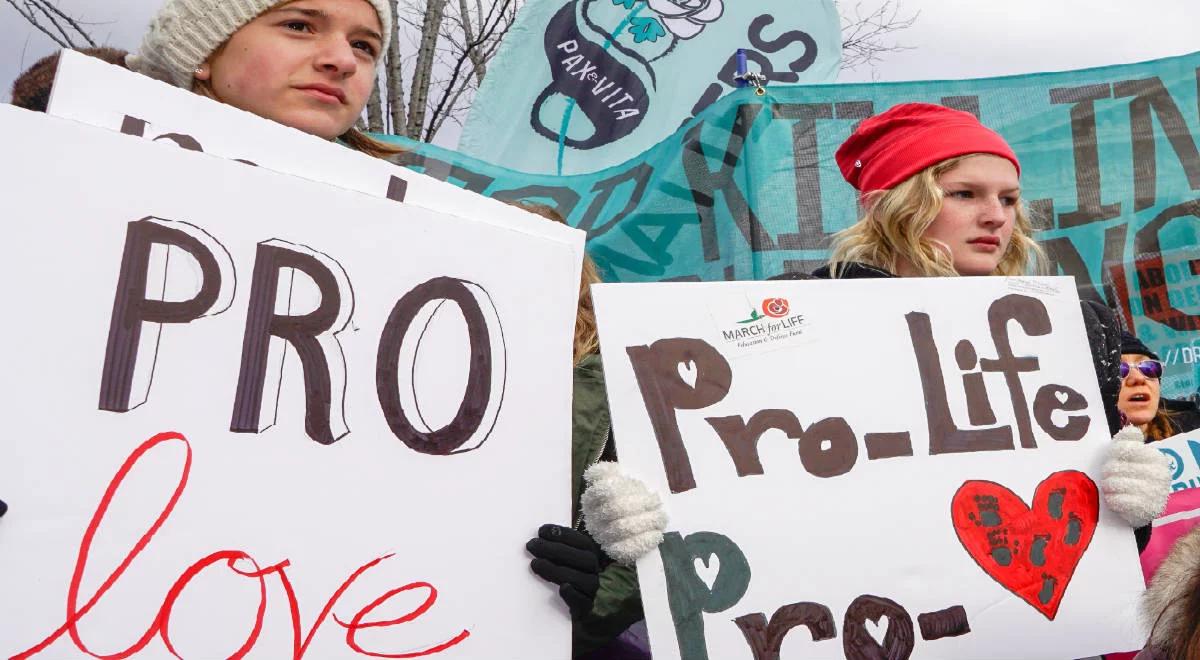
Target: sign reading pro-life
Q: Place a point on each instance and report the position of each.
(870, 468)
(252, 415)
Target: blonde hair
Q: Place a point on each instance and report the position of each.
(587, 336)
(893, 229)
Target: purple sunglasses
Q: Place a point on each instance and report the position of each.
(1149, 368)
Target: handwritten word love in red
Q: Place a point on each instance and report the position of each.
(235, 561)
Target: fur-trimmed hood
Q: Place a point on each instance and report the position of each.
(1163, 605)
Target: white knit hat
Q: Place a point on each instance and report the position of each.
(186, 32)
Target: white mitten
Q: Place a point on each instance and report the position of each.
(624, 516)
(1136, 478)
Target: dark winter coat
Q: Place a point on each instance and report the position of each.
(618, 603)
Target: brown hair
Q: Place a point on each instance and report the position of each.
(587, 337)
(1161, 427)
(894, 225)
(31, 90)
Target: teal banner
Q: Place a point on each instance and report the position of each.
(580, 85)
(749, 189)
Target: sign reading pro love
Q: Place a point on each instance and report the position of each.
(252, 415)
(871, 468)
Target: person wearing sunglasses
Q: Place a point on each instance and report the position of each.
(1141, 399)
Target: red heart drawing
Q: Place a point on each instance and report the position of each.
(1031, 551)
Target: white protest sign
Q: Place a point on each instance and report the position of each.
(94, 92)
(869, 468)
(1183, 451)
(246, 412)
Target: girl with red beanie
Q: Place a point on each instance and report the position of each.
(942, 196)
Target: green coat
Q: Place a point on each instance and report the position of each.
(618, 603)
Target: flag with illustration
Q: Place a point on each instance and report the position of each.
(587, 84)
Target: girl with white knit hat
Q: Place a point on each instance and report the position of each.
(308, 64)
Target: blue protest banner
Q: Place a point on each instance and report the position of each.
(749, 188)
(580, 85)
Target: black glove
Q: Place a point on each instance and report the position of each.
(570, 559)
(1104, 338)
(3, 508)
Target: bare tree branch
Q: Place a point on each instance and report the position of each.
(426, 53)
(395, 95)
(65, 31)
(477, 61)
(865, 36)
(491, 29)
(375, 110)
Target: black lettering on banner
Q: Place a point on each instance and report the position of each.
(1147, 241)
(688, 596)
(707, 183)
(313, 335)
(857, 642)
(1065, 257)
(1151, 96)
(654, 244)
(637, 176)
(806, 163)
(141, 298)
(965, 103)
(664, 392)
(766, 639)
(395, 371)
(564, 199)
(443, 171)
(856, 110)
(761, 45)
(757, 39)
(1087, 154)
(610, 94)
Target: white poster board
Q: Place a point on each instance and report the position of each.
(94, 92)
(401, 396)
(868, 468)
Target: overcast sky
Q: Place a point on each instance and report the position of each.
(951, 38)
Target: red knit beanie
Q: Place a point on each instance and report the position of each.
(892, 146)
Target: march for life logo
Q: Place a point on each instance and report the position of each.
(602, 81)
(770, 321)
